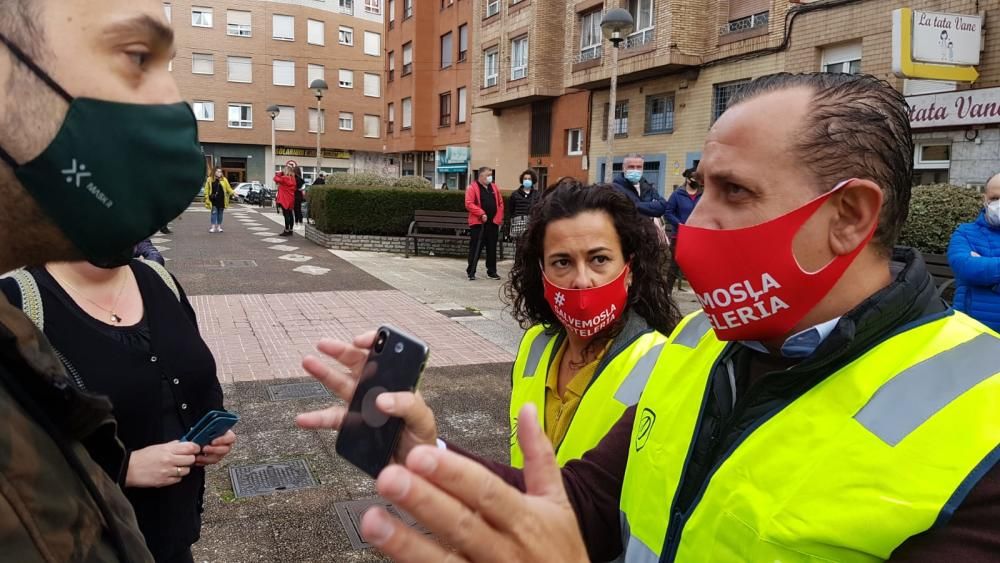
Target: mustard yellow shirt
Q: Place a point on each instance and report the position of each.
(559, 410)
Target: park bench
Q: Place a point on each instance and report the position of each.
(944, 278)
(440, 225)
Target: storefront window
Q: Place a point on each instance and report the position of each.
(931, 163)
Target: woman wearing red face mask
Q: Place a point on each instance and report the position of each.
(589, 286)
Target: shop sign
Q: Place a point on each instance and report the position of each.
(305, 152)
(456, 155)
(936, 46)
(950, 109)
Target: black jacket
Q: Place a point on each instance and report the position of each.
(649, 201)
(521, 202)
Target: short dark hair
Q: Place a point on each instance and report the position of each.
(648, 296)
(529, 172)
(688, 172)
(858, 127)
(484, 169)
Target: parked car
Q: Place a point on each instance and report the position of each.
(243, 189)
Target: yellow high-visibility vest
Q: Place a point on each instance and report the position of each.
(880, 451)
(616, 386)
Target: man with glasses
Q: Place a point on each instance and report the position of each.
(679, 207)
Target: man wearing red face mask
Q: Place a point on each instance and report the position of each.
(825, 405)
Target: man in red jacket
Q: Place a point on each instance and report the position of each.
(482, 199)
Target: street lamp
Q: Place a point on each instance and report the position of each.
(615, 25)
(318, 86)
(273, 111)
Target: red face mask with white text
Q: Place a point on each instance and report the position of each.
(748, 280)
(588, 311)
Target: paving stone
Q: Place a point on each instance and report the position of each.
(312, 270)
(283, 247)
(295, 257)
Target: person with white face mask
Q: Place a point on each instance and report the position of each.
(520, 203)
(974, 255)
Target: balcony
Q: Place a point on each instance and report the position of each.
(640, 39)
(589, 54)
(748, 23)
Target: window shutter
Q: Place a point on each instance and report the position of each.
(371, 126)
(202, 64)
(316, 72)
(284, 73)
(286, 119)
(372, 85)
(373, 44)
(743, 8)
(238, 17)
(316, 30)
(240, 69)
(284, 27)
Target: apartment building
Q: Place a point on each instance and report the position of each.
(236, 58)
(428, 70)
(524, 116)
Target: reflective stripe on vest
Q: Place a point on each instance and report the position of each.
(871, 456)
(622, 378)
(690, 333)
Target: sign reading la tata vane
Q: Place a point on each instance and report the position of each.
(936, 46)
(966, 107)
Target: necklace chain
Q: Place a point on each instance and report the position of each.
(115, 317)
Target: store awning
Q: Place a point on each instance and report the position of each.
(452, 168)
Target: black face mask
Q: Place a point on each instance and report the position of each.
(122, 258)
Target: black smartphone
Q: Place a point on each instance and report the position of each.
(368, 437)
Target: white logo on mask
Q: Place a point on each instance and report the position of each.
(78, 173)
(560, 299)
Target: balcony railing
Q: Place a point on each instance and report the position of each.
(640, 39)
(755, 21)
(589, 54)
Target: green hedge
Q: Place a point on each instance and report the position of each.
(369, 180)
(375, 211)
(935, 211)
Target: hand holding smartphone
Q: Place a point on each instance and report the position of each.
(210, 427)
(368, 437)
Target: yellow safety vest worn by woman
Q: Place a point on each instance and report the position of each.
(617, 380)
(878, 452)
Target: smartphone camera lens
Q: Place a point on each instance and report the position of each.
(399, 347)
(380, 342)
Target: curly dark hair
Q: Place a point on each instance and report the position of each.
(529, 172)
(647, 296)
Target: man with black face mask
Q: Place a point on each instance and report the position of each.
(88, 113)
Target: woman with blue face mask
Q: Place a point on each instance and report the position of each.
(521, 202)
(974, 255)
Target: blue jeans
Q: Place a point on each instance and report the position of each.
(217, 215)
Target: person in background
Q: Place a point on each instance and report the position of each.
(148, 251)
(320, 180)
(444, 185)
(520, 203)
(217, 192)
(300, 195)
(128, 332)
(287, 186)
(679, 208)
(974, 255)
(485, 206)
(631, 183)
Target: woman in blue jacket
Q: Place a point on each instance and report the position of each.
(974, 254)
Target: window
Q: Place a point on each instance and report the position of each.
(621, 119)
(463, 42)
(392, 67)
(346, 79)
(240, 69)
(168, 11)
(446, 50)
(407, 9)
(540, 136)
(844, 58)
(590, 36)
(238, 23)
(721, 94)
(519, 58)
(931, 162)
(284, 73)
(315, 32)
(346, 121)
(373, 85)
(462, 104)
(347, 7)
(286, 119)
(444, 108)
(201, 17)
(204, 111)
(407, 113)
(316, 120)
(392, 13)
(315, 72)
(642, 14)
(574, 142)
(407, 58)
(391, 120)
(373, 7)
(283, 28)
(373, 44)
(491, 67)
(492, 8)
(240, 116)
(346, 35)
(202, 63)
(660, 114)
(371, 126)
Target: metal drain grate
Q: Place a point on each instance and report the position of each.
(257, 480)
(238, 263)
(291, 391)
(350, 513)
(456, 313)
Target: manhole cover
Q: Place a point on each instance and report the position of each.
(238, 263)
(453, 313)
(289, 391)
(256, 480)
(350, 513)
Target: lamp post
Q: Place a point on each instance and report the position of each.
(318, 86)
(615, 25)
(273, 111)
